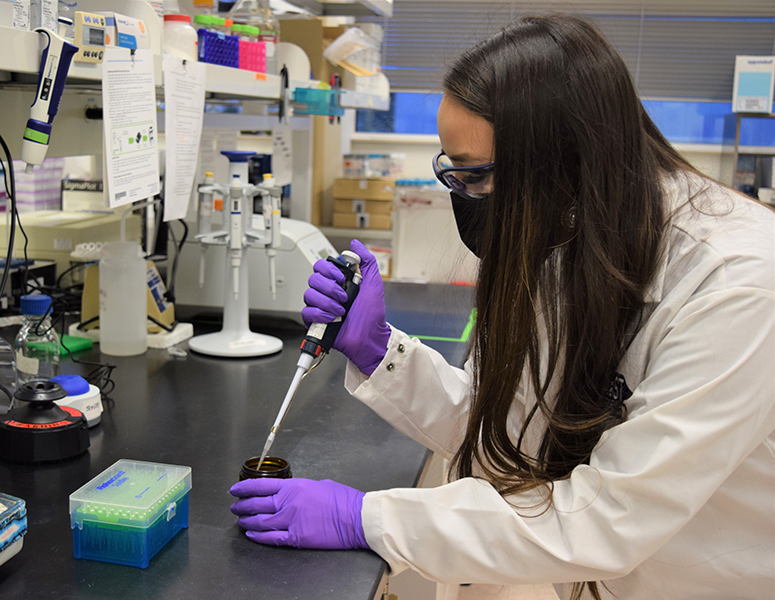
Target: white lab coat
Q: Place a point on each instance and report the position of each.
(676, 502)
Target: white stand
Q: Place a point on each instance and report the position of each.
(235, 339)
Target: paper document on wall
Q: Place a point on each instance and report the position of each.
(282, 157)
(129, 123)
(184, 101)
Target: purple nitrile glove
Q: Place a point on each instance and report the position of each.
(302, 513)
(364, 335)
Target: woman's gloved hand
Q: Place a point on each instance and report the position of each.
(300, 512)
(364, 335)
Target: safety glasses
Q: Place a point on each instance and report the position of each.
(473, 183)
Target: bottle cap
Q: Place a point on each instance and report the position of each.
(267, 175)
(236, 28)
(74, 385)
(251, 30)
(35, 304)
(217, 21)
(228, 22)
(203, 19)
(182, 18)
(209, 174)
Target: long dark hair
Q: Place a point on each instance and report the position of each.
(559, 298)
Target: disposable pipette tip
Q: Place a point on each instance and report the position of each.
(265, 452)
(283, 409)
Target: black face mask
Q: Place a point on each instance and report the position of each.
(470, 217)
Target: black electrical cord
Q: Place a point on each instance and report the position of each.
(168, 328)
(73, 268)
(169, 295)
(10, 190)
(101, 374)
(26, 271)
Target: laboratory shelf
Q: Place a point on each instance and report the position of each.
(366, 234)
(237, 83)
(360, 8)
(19, 53)
(363, 100)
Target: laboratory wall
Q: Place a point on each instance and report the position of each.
(713, 160)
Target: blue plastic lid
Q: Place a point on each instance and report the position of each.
(35, 304)
(238, 156)
(74, 385)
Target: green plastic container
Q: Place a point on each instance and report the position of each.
(129, 512)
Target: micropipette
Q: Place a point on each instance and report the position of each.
(320, 338)
(54, 65)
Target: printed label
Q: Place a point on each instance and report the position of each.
(21, 14)
(156, 286)
(317, 330)
(66, 244)
(113, 479)
(246, 343)
(49, 19)
(25, 364)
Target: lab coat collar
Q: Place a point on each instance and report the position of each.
(655, 290)
(675, 187)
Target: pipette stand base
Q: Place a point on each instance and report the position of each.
(235, 344)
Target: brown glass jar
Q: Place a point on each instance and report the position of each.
(276, 468)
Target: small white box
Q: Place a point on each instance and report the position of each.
(44, 13)
(754, 77)
(125, 32)
(21, 14)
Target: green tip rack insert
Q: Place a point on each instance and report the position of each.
(129, 512)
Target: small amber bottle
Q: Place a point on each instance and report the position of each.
(276, 468)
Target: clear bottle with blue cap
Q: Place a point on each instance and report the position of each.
(7, 374)
(37, 344)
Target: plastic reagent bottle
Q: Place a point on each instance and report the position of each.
(37, 344)
(123, 300)
(204, 7)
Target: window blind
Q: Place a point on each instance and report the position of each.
(673, 48)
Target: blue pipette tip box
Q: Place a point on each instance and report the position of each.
(129, 512)
(13, 526)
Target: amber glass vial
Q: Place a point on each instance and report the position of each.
(276, 468)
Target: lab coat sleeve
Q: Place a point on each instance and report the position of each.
(416, 391)
(705, 403)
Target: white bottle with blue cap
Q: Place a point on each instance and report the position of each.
(82, 396)
(37, 344)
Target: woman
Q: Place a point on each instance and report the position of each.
(615, 422)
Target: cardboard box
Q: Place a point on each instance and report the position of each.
(83, 195)
(363, 189)
(313, 38)
(384, 257)
(362, 221)
(373, 207)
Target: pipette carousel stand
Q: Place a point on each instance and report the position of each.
(235, 338)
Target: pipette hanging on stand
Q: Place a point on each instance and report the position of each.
(235, 338)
